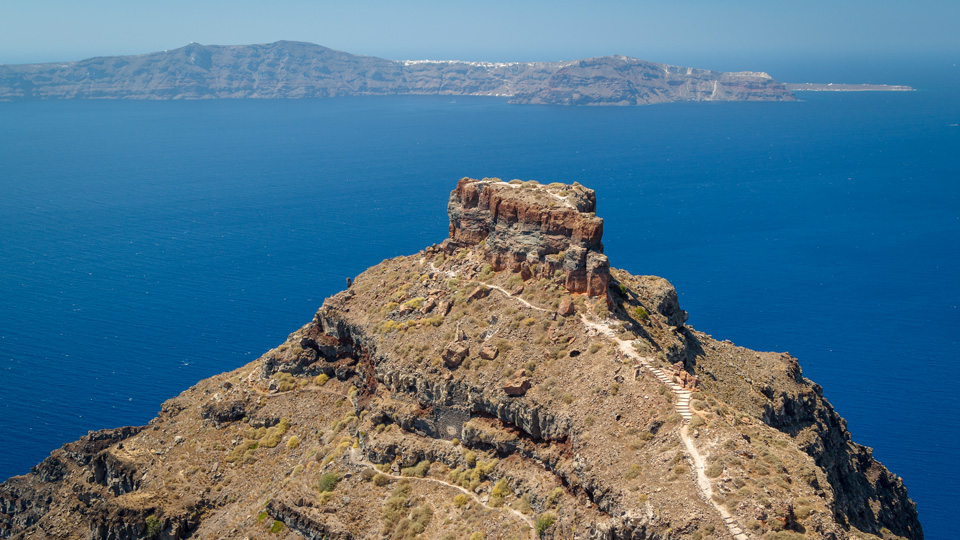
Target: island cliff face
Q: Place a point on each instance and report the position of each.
(288, 69)
(465, 391)
(538, 232)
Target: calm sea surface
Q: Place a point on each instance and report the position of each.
(147, 245)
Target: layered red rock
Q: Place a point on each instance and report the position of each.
(534, 229)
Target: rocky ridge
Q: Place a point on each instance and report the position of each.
(289, 70)
(441, 397)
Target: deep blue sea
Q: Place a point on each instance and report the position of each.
(147, 245)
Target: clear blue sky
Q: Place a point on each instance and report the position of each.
(679, 31)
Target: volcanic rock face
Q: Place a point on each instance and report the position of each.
(537, 230)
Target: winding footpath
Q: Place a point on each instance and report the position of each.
(681, 403)
(357, 457)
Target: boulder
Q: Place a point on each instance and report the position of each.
(454, 354)
(478, 293)
(566, 307)
(517, 386)
(488, 352)
(525, 271)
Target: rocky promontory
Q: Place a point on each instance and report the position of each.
(288, 69)
(485, 387)
(539, 231)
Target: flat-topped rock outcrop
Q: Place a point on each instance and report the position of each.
(535, 229)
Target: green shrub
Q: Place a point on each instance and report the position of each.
(715, 470)
(419, 470)
(554, 497)
(641, 313)
(380, 480)
(293, 442)
(321, 379)
(633, 472)
(154, 526)
(544, 522)
(460, 500)
(285, 381)
(274, 435)
(421, 517)
(433, 320)
(499, 493)
(238, 453)
(328, 482)
(414, 303)
(697, 421)
(395, 507)
(276, 527)
(523, 504)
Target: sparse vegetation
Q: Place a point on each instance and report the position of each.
(293, 442)
(544, 522)
(500, 492)
(285, 381)
(154, 527)
(328, 482)
(419, 470)
(554, 497)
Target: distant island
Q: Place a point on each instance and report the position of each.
(288, 69)
(835, 87)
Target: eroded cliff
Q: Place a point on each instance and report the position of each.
(482, 387)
